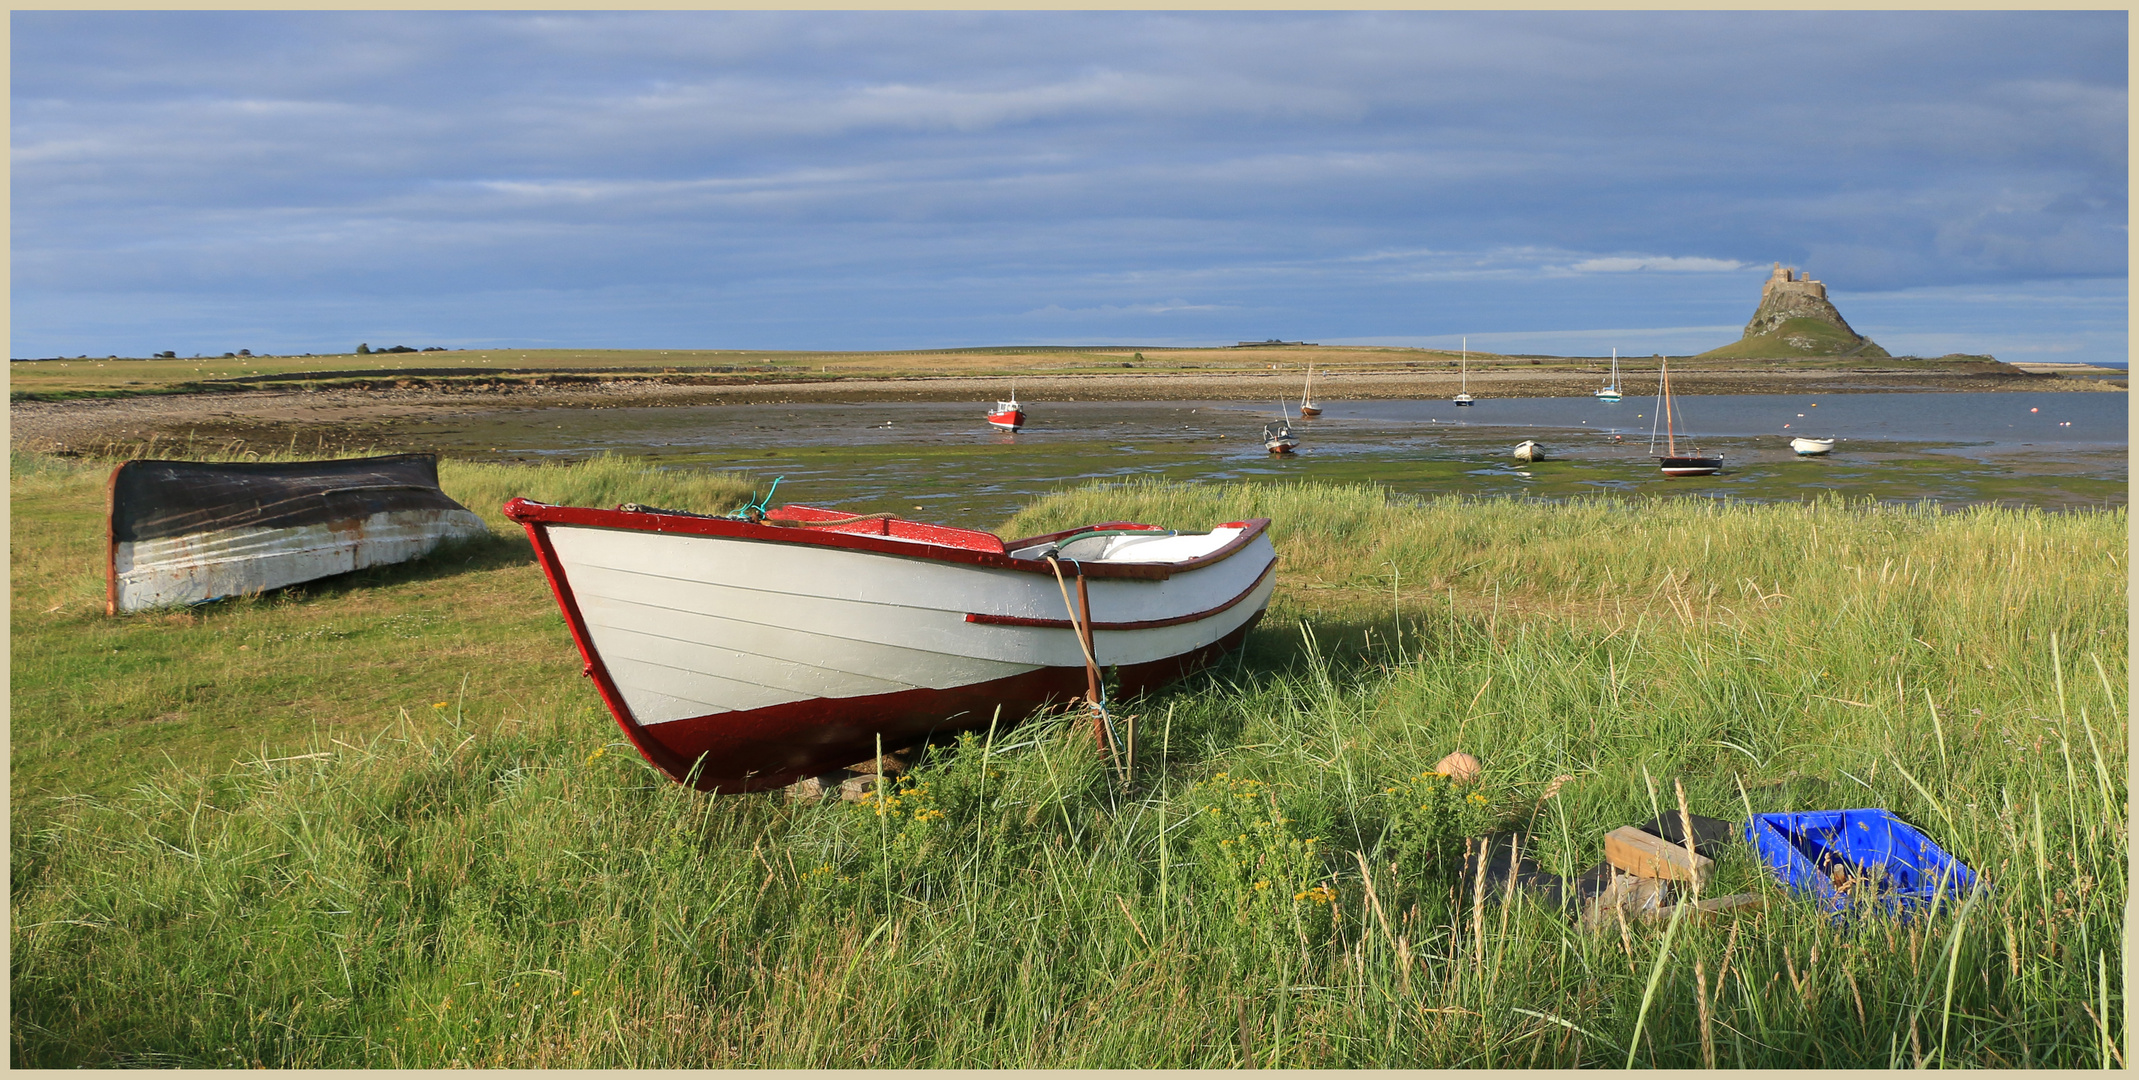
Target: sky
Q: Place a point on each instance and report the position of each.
(1553, 182)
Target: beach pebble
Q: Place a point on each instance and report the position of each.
(1459, 766)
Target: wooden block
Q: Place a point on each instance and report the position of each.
(1643, 855)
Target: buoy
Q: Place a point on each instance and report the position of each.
(2034, 410)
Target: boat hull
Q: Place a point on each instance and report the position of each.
(1310, 410)
(1282, 446)
(1690, 466)
(1007, 421)
(1607, 395)
(187, 532)
(1529, 451)
(1811, 447)
(740, 657)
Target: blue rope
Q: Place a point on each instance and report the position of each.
(754, 507)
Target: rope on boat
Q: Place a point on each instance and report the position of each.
(1080, 629)
(886, 516)
(753, 509)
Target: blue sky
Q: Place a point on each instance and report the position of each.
(1550, 182)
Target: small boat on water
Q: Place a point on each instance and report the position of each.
(186, 532)
(1278, 437)
(1307, 401)
(1811, 447)
(1529, 450)
(1610, 392)
(1463, 391)
(1671, 461)
(744, 653)
(1008, 415)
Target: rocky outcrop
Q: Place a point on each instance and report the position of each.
(1795, 319)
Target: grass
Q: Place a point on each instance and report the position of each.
(59, 378)
(201, 686)
(1799, 337)
(502, 882)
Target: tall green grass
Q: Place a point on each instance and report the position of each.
(533, 894)
(97, 699)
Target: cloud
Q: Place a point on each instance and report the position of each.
(1164, 307)
(867, 175)
(1621, 264)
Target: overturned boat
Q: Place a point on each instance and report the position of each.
(740, 655)
(185, 532)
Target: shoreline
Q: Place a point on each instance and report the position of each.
(86, 425)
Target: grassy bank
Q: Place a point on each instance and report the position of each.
(97, 700)
(501, 881)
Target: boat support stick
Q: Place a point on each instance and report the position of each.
(1080, 615)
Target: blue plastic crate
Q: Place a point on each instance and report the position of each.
(1890, 863)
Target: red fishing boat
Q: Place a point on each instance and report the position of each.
(742, 654)
(1008, 415)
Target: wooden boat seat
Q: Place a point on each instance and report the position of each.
(895, 528)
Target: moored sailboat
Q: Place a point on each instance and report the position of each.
(1463, 391)
(1671, 461)
(1307, 401)
(1610, 392)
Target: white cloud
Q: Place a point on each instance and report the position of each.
(1622, 264)
(1164, 307)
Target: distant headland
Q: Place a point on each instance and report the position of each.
(1795, 319)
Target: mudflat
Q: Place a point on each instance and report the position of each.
(327, 415)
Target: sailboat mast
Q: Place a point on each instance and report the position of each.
(1464, 372)
(1671, 443)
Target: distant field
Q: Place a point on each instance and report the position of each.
(54, 379)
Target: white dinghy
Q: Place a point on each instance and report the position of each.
(743, 654)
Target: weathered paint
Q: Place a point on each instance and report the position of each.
(183, 532)
(203, 566)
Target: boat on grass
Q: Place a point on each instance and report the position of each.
(744, 653)
(1673, 463)
(1811, 447)
(187, 532)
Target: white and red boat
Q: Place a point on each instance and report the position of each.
(742, 655)
(1008, 415)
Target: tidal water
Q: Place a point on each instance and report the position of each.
(942, 461)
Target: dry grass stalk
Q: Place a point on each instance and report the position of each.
(1708, 1034)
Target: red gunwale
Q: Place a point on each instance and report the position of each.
(1142, 624)
(530, 513)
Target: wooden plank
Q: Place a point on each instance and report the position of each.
(1643, 855)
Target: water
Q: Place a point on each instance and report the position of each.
(1988, 421)
(941, 461)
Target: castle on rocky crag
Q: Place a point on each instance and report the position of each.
(1795, 319)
